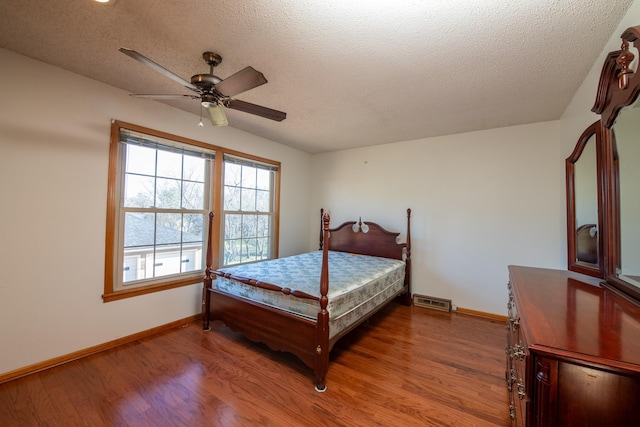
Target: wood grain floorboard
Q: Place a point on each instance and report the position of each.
(406, 366)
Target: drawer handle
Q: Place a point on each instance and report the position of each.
(513, 324)
(510, 377)
(521, 393)
(517, 352)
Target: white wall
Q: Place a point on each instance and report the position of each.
(480, 200)
(54, 139)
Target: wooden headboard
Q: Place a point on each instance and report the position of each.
(367, 238)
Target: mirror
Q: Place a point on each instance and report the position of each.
(583, 196)
(626, 148)
(616, 104)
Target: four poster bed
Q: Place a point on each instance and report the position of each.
(304, 303)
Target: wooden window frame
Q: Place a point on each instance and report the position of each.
(241, 212)
(111, 293)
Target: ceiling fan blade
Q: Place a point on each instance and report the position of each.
(158, 68)
(258, 110)
(242, 81)
(163, 96)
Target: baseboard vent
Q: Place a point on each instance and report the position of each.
(432, 302)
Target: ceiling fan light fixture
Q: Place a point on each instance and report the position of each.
(109, 2)
(216, 114)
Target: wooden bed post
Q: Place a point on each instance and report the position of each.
(406, 298)
(208, 279)
(322, 326)
(321, 227)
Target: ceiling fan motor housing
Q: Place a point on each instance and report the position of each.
(205, 81)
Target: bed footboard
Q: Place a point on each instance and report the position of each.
(279, 330)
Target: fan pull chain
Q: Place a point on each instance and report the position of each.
(200, 124)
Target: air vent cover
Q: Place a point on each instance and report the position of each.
(432, 302)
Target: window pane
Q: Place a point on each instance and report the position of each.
(148, 263)
(167, 261)
(262, 248)
(264, 179)
(138, 246)
(191, 258)
(192, 195)
(193, 168)
(232, 226)
(263, 201)
(138, 191)
(248, 177)
(248, 248)
(231, 252)
(168, 193)
(168, 228)
(249, 226)
(131, 267)
(140, 160)
(231, 198)
(193, 228)
(232, 174)
(263, 226)
(169, 164)
(138, 229)
(248, 200)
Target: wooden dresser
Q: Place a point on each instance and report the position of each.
(573, 351)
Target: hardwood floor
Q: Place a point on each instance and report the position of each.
(407, 366)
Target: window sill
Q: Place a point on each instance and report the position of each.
(143, 290)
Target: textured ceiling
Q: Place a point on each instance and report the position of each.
(349, 73)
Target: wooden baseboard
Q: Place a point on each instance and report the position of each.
(27, 370)
(470, 312)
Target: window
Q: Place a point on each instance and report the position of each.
(161, 189)
(163, 209)
(248, 211)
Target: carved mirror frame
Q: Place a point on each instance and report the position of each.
(618, 88)
(591, 137)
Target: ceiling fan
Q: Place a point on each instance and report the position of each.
(213, 92)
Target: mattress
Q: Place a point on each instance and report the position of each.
(357, 284)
